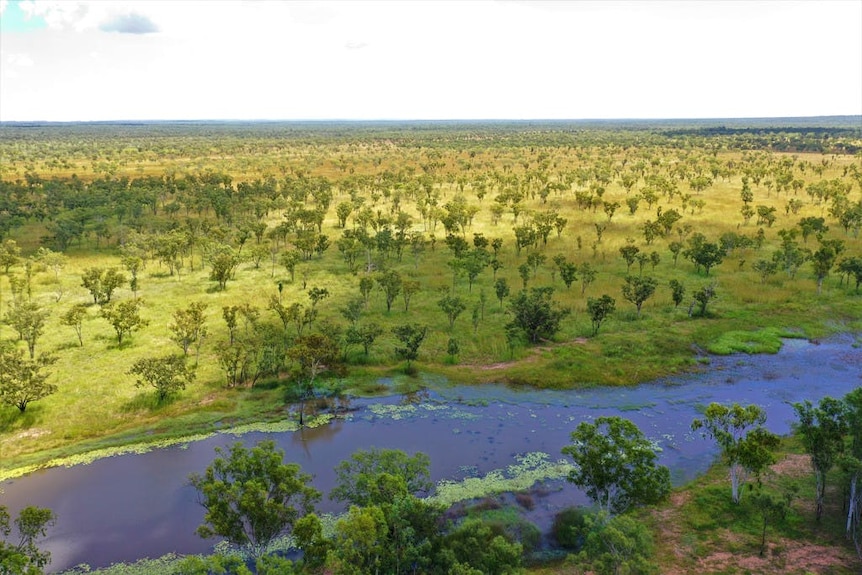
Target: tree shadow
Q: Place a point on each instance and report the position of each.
(12, 418)
(147, 401)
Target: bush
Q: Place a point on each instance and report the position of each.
(569, 528)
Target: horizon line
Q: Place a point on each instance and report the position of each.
(426, 120)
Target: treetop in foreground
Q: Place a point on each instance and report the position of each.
(251, 496)
(616, 465)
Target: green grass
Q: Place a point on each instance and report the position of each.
(707, 523)
(97, 404)
(767, 340)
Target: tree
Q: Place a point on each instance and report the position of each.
(167, 374)
(188, 326)
(588, 276)
(824, 258)
(452, 306)
(23, 380)
(366, 284)
(312, 354)
(765, 268)
(629, 252)
(56, 261)
(851, 463)
(501, 289)
(223, 262)
(616, 465)
(91, 279)
(615, 545)
(704, 254)
(746, 447)
(364, 335)
(411, 337)
(525, 271)
(24, 557)
(74, 318)
(133, 264)
(289, 260)
(702, 297)
(773, 509)
(251, 496)
(638, 289)
(536, 314)
(677, 292)
(390, 282)
(409, 288)
(112, 280)
(852, 266)
(124, 317)
(568, 273)
(28, 321)
(822, 430)
(10, 255)
(102, 283)
(600, 309)
(361, 480)
(476, 549)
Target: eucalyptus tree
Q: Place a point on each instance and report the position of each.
(251, 496)
(616, 465)
(19, 554)
(822, 428)
(28, 320)
(390, 283)
(823, 259)
(746, 446)
(188, 326)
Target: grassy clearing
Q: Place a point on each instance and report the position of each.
(701, 530)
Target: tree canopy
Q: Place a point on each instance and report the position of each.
(616, 465)
(251, 496)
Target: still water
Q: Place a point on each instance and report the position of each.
(128, 507)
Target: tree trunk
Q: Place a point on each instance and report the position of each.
(854, 507)
(734, 482)
(819, 492)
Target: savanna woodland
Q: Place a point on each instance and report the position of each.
(160, 281)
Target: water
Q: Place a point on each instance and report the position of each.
(133, 506)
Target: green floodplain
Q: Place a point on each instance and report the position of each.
(161, 280)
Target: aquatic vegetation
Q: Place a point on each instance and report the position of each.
(529, 470)
(96, 454)
(397, 412)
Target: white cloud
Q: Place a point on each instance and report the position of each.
(19, 60)
(469, 59)
(131, 23)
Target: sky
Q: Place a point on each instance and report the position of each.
(70, 60)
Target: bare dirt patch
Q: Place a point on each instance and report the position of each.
(793, 466)
(31, 433)
(783, 556)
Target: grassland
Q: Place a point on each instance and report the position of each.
(423, 172)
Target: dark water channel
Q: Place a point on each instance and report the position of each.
(133, 506)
